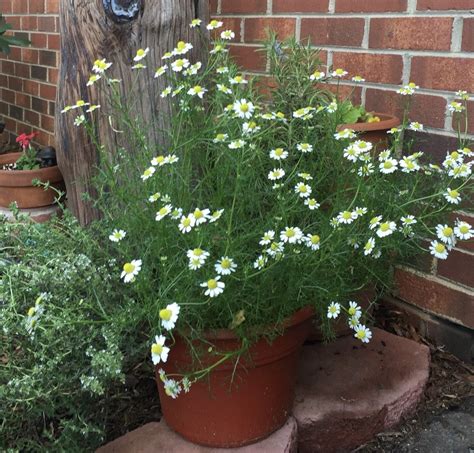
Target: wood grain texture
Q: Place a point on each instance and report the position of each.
(89, 33)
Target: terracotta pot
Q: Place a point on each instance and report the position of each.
(16, 185)
(376, 133)
(340, 327)
(239, 403)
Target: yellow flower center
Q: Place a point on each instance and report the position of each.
(198, 214)
(346, 215)
(361, 334)
(214, 23)
(238, 78)
(179, 62)
(212, 283)
(387, 164)
(290, 232)
(31, 311)
(225, 263)
(197, 89)
(454, 154)
(454, 193)
(440, 248)
(166, 314)
(244, 107)
(163, 211)
(128, 268)
(140, 53)
(156, 348)
(186, 222)
(368, 246)
(279, 151)
(339, 71)
(302, 188)
(181, 45)
(448, 231)
(385, 226)
(280, 115)
(315, 239)
(464, 229)
(220, 136)
(197, 252)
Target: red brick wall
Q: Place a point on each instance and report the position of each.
(28, 75)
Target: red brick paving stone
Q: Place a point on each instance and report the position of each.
(426, 109)
(157, 438)
(243, 6)
(300, 6)
(361, 6)
(436, 296)
(256, 29)
(459, 267)
(468, 35)
(333, 32)
(348, 392)
(411, 33)
(444, 4)
(440, 73)
(249, 58)
(373, 68)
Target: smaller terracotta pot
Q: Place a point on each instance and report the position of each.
(241, 401)
(17, 186)
(375, 133)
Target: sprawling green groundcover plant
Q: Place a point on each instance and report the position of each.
(256, 207)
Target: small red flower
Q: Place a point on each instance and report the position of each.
(25, 139)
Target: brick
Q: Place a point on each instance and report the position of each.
(39, 72)
(47, 123)
(36, 6)
(53, 75)
(362, 6)
(8, 96)
(444, 4)
(52, 6)
(249, 58)
(6, 6)
(19, 6)
(48, 92)
(458, 267)
(230, 23)
(39, 105)
(52, 108)
(47, 58)
(23, 100)
(32, 118)
(468, 35)
(374, 68)
(300, 6)
(432, 144)
(333, 32)
(436, 296)
(31, 87)
(15, 112)
(443, 73)
(15, 54)
(29, 23)
(38, 40)
(54, 42)
(345, 92)
(411, 33)
(15, 84)
(213, 6)
(459, 119)
(46, 23)
(8, 67)
(3, 108)
(30, 56)
(257, 29)
(22, 70)
(243, 6)
(426, 109)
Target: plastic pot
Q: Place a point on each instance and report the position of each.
(242, 400)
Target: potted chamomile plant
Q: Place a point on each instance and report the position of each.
(254, 216)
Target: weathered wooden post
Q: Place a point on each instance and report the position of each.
(111, 29)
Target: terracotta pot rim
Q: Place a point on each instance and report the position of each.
(386, 122)
(24, 178)
(298, 317)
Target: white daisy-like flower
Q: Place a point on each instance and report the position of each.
(225, 266)
(439, 250)
(334, 310)
(339, 73)
(195, 264)
(408, 220)
(213, 286)
(303, 190)
(227, 35)
(360, 211)
(179, 64)
(369, 246)
(182, 48)
(260, 262)
(313, 241)
(100, 66)
(148, 173)
(201, 216)
(363, 146)
(93, 79)
(345, 133)
(317, 75)
(243, 108)
(195, 23)
(388, 166)
(197, 90)
(276, 249)
(155, 197)
(219, 138)
(363, 333)
(305, 176)
(177, 91)
(276, 173)
(166, 92)
(353, 322)
(346, 217)
(354, 310)
(92, 108)
(169, 316)
(292, 235)
(141, 54)
(193, 69)
(386, 229)
(222, 70)
(455, 107)
(358, 79)
(304, 147)
(446, 234)
(171, 159)
(176, 213)
(267, 237)
(223, 89)
(198, 253)
(159, 352)
(236, 144)
(278, 154)
(250, 127)
(139, 66)
(158, 161)
(332, 107)
(117, 235)
(351, 153)
(213, 24)
(238, 80)
(215, 216)
(415, 126)
(130, 270)
(312, 204)
(79, 120)
(304, 113)
(462, 94)
(366, 170)
(163, 212)
(374, 222)
(461, 171)
(463, 230)
(409, 164)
